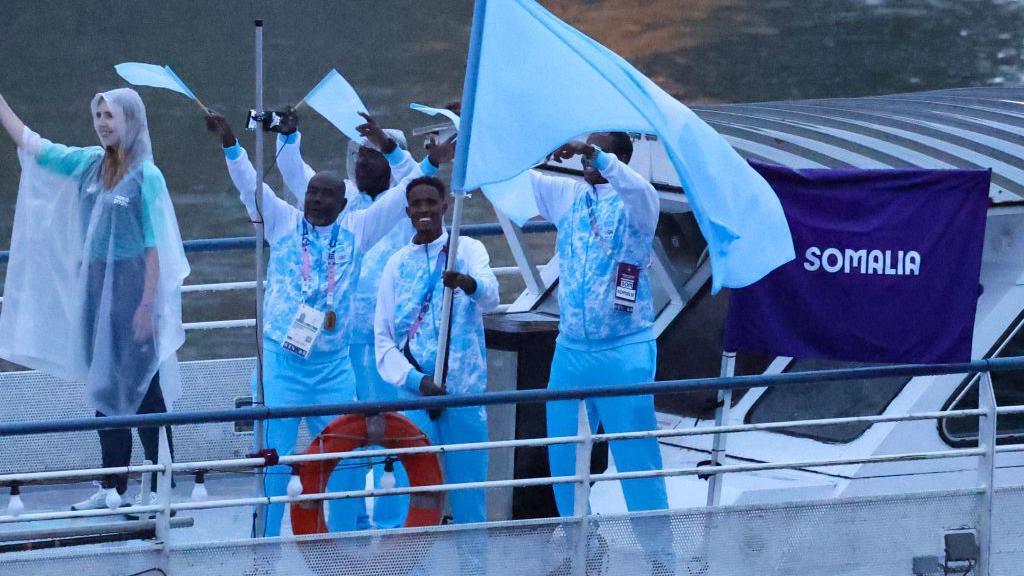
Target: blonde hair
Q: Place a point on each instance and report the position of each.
(135, 145)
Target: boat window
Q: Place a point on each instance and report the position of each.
(691, 347)
(1009, 390)
(816, 400)
(681, 245)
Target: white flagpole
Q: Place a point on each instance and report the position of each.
(459, 178)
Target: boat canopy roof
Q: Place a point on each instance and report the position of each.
(967, 128)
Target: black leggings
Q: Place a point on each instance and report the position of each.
(116, 445)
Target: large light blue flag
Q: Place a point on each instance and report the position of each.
(540, 83)
(141, 74)
(337, 101)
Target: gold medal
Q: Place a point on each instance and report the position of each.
(330, 320)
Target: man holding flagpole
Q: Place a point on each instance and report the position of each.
(407, 323)
(315, 258)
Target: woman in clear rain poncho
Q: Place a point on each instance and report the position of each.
(93, 288)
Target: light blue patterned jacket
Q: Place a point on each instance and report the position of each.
(403, 286)
(626, 214)
(296, 174)
(359, 230)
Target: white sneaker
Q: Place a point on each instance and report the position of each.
(97, 501)
(153, 500)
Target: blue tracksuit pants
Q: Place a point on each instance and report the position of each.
(289, 381)
(462, 425)
(628, 364)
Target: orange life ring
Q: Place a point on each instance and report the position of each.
(351, 431)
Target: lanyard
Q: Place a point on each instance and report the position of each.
(442, 261)
(307, 263)
(594, 229)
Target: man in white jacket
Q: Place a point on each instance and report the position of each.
(406, 326)
(371, 176)
(315, 258)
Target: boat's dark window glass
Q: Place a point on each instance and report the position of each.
(1009, 389)
(691, 347)
(839, 399)
(680, 244)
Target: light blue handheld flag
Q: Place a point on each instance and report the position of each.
(336, 100)
(533, 83)
(141, 74)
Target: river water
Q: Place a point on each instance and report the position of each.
(55, 55)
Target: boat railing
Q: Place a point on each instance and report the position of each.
(984, 453)
(526, 269)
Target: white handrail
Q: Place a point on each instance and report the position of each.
(228, 464)
(702, 470)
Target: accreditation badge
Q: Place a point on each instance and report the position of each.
(303, 332)
(627, 281)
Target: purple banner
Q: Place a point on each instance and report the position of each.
(886, 269)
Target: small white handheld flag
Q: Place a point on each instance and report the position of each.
(337, 101)
(141, 74)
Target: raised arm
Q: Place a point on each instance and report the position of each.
(294, 170)
(276, 213)
(372, 224)
(67, 160)
(12, 124)
(554, 195)
(638, 195)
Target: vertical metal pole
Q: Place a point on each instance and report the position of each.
(581, 500)
(721, 418)
(517, 244)
(259, 519)
(163, 494)
(986, 470)
(147, 482)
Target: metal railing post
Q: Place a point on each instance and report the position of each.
(163, 493)
(986, 470)
(581, 502)
(260, 514)
(528, 270)
(721, 419)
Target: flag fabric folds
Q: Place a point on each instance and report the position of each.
(888, 268)
(141, 74)
(336, 100)
(539, 83)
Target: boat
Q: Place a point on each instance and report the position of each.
(896, 492)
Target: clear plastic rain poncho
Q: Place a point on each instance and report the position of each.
(86, 259)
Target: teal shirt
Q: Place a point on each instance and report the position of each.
(75, 162)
